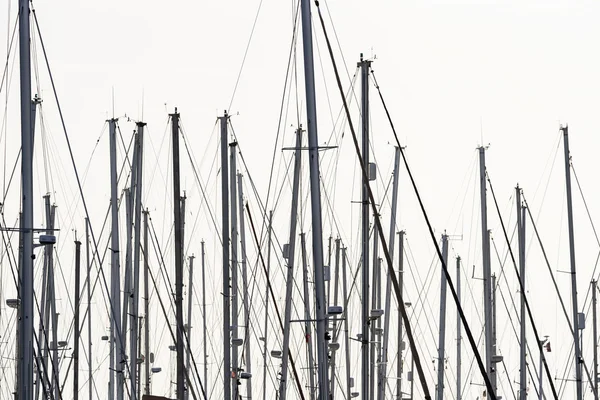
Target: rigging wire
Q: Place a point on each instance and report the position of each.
(245, 54)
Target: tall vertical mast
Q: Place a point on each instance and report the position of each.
(335, 320)
(126, 313)
(26, 362)
(381, 382)
(442, 333)
(188, 326)
(205, 358)
(125, 310)
(487, 271)
(76, 322)
(88, 261)
(245, 286)
(45, 312)
(578, 360)
(458, 336)
(53, 313)
(289, 283)
(146, 308)
(266, 329)
(522, 340)
(136, 259)
(225, 235)
(307, 320)
(595, 333)
(346, 332)
(495, 358)
(178, 258)
(234, 268)
(400, 344)
(364, 68)
(315, 197)
(116, 348)
(373, 324)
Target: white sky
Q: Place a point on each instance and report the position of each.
(454, 75)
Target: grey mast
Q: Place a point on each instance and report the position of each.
(315, 198)
(137, 190)
(523, 350)
(442, 333)
(246, 306)
(381, 382)
(290, 257)
(487, 273)
(458, 335)
(364, 68)
(116, 348)
(234, 270)
(178, 227)
(225, 235)
(578, 360)
(26, 316)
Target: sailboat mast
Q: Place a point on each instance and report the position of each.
(458, 336)
(26, 317)
(290, 256)
(137, 190)
(346, 331)
(373, 324)
(205, 382)
(248, 356)
(146, 308)
(225, 235)
(76, 322)
(578, 363)
(116, 348)
(442, 333)
(333, 327)
(178, 227)
(89, 310)
(381, 382)
(307, 319)
(595, 333)
(400, 343)
(188, 326)
(315, 198)
(522, 340)
(266, 329)
(487, 271)
(234, 269)
(364, 68)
